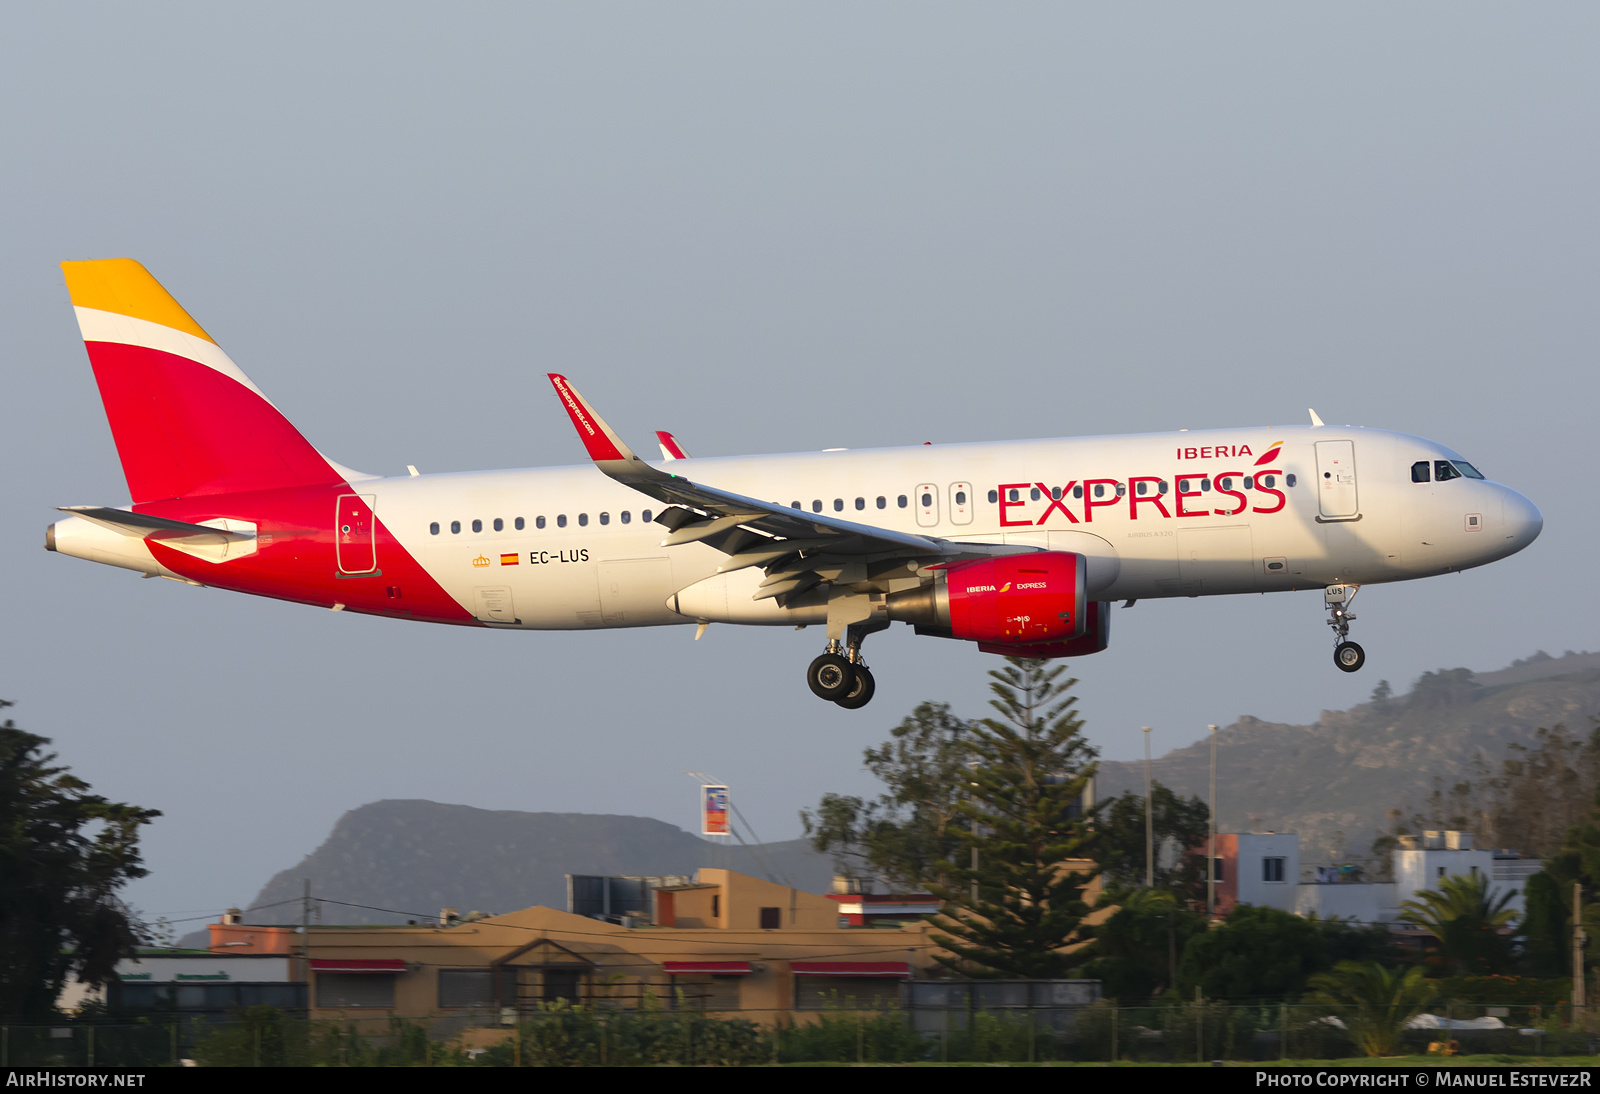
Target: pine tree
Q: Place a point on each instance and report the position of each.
(1012, 914)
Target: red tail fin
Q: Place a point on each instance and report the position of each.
(185, 419)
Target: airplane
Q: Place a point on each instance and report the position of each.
(1020, 547)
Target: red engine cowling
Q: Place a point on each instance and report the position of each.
(1011, 600)
(1096, 637)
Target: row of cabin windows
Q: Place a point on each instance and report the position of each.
(1443, 471)
(902, 501)
(1224, 483)
(1034, 494)
(626, 517)
(861, 503)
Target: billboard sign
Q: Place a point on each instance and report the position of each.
(713, 810)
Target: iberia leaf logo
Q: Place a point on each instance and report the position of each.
(1269, 455)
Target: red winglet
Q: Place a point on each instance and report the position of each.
(670, 443)
(597, 437)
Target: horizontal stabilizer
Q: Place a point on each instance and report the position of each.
(214, 541)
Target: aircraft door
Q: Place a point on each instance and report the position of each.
(927, 503)
(1336, 480)
(961, 503)
(355, 530)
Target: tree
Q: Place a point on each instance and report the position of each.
(904, 833)
(1014, 911)
(64, 854)
(1180, 827)
(1466, 922)
(1255, 953)
(1138, 946)
(1376, 1003)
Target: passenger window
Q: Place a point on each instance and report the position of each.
(1077, 491)
(1014, 496)
(1055, 492)
(961, 497)
(605, 518)
(455, 528)
(583, 520)
(902, 501)
(1268, 480)
(883, 502)
(1419, 472)
(1205, 484)
(520, 524)
(1249, 481)
(499, 525)
(1444, 472)
(645, 516)
(861, 503)
(794, 505)
(927, 500)
(1122, 491)
(1033, 495)
(1141, 488)
(816, 505)
(1099, 490)
(561, 520)
(626, 516)
(477, 526)
(433, 529)
(838, 505)
(994, 496)
(1161, 487)
(1289, 478)
(538, 522)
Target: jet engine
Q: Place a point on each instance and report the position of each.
(1013, 600)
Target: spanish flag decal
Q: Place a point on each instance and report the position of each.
(510, 559)
(1269, 455)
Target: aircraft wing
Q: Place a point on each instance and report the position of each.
(797, 549)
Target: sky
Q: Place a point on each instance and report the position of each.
(767, 228)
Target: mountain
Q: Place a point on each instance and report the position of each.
(408, 859)
(1335, 781)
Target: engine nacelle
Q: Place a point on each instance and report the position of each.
(1010, 600)
(1096, 637)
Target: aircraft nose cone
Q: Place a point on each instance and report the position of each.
(1523, 521)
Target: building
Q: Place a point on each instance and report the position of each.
(1260, 868)
(1420, 863)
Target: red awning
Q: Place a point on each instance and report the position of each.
(715, 968)
(358, 964)
(851, 968)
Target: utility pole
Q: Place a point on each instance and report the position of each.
(1578, 940)
(1149, 823)
(1211, 858)
(305, 938)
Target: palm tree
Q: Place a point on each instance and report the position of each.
(1377, 1003)
(1465, 920)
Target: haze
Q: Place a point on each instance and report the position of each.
(768, 228)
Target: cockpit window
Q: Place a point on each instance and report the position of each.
(1419, 472)
(1443, 471)
(1467, 469)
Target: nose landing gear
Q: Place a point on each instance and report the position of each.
(1346, 654)
(840, 675)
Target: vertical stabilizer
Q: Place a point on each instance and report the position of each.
(185, 419)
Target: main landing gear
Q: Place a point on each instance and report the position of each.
(840, 675)
(1346, 654)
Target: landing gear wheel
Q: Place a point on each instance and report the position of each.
(1349, 656)
(831, 677)
(861, 694)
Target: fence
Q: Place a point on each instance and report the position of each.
(582, 1036)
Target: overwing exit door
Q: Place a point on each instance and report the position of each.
(354, 531)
